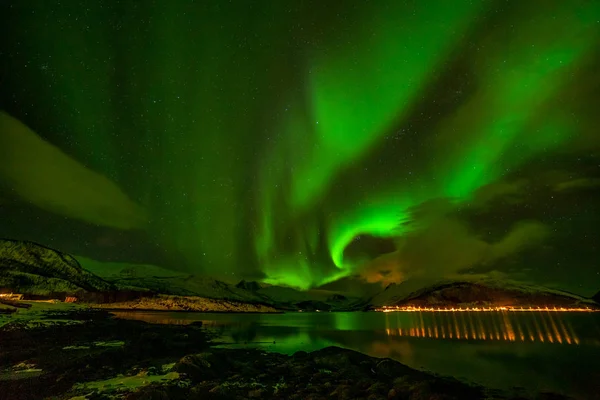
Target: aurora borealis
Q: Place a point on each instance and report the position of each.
(303, 142)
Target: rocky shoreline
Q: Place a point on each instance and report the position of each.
(185, 303)
(87, 354)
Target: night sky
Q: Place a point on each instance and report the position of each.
(300, 142)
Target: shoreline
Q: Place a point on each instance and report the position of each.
(134, 310)
(111, 358)
(70, 351)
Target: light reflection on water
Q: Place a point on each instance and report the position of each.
(497, 325)
(538, 351)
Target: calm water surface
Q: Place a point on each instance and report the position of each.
(537, 351)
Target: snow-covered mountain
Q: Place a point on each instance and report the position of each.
(486, 292)
(164, 281)
(33, 269)
(27, 267)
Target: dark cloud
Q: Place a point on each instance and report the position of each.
(504, 190)
(579, 183)
(42, 174)
(447, 248)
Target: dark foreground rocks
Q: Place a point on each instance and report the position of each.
(47, 361)
(101, 358)
(330, 373)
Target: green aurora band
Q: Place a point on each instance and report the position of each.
(249, 163)
(353, 107)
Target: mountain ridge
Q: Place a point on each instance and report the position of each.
(490, 292)
(34, 269)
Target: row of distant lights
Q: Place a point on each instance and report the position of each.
(481, 309)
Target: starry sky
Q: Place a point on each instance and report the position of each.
(309, 142)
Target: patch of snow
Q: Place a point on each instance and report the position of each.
(165, 281)
(125, 383)
(76, 348)
(113, 343)
(167, 367)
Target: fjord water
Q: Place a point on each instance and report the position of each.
(536, 351)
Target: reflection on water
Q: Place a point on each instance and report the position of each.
(496, 325)
(535, 350)
(544, 327)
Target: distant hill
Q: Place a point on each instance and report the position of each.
(396, 292)
(165, 281)
(488, 293)
(168, 282)
(288, 298)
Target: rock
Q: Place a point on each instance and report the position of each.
(321, 377)
(302, 370)
(149, 343)
(338, 359)
(342, 392)
(364, 383)
(200, 390)
(197, 367)
(550, 396)
(148, 393)
(390, 368)
(300, 355)
(219, 390)
(403, 384)
(378, 388)
(332, 362)
(256, 394)
(422, 391)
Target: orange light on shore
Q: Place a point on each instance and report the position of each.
(11, 296)
(482, 309)
(490, 324)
